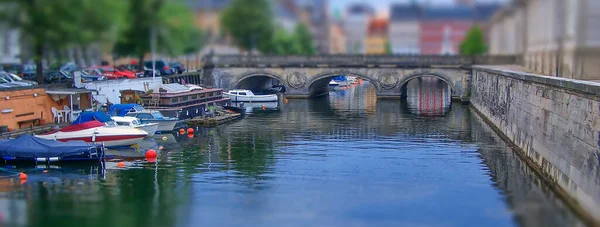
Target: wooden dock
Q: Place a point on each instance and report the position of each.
(30, 130)
(214, 121)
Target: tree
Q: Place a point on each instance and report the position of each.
(250, 24)
(284, 43)
(58, 24)
(474, 43)
(170, 20)
(305, 40)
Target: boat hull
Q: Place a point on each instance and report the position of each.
(256, 98)
(163, 125)
(150, 128)
(110, 136)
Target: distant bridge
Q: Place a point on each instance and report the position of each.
(306, 76)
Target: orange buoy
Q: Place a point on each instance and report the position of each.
(45, 171)
(151, 153)
(264, 107)
(160, 148)
(22, 176)
(286, 100)
(181, 131)
(190, 130)
(121, 164)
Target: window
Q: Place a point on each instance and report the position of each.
(144, 116)
(122, 123)
(175, 100)
(194, 97)
(243, 93)
(157, 115)
(184, 98)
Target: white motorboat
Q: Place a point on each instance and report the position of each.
(144, 115)
(248, 96)
(333, 83)
(97, 132)
(133, 122)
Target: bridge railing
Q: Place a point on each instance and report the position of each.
(356, 60)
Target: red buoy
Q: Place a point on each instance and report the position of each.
(22, 176)
(190, 130)
(150, 154)
(181, 131)
(121, 164)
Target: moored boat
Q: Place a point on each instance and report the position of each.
(145, 116)
(248, 96)
(133, 122)
(28, 148)
(97, 127)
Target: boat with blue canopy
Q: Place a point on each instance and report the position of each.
(145, 116)
(28, 148)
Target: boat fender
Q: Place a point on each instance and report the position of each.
(187, 113)
(40, 159)
(53, 159)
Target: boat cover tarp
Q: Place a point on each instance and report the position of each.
(28, 146)
(122, 109)
(91, 116)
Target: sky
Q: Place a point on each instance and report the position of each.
(382, 6)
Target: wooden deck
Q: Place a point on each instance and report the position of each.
(215, 121)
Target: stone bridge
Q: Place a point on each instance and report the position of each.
(308, 76)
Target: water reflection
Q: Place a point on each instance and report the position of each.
(428, 96)
(335, 161)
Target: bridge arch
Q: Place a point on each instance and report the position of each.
(319, 84)
(419, 74)
(256, 80)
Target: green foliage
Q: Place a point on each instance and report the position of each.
(474, 43)
(250, 24)
(60, 24)
(284, 43)
(305, 40)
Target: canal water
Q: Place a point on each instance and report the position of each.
(343, 160)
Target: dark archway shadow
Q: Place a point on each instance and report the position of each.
(261, 84)
(426, 96)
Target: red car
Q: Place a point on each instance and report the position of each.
(112, 73)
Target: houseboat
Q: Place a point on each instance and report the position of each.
(184, 101)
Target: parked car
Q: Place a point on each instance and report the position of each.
(162, 66)
(69, 67)
(89, 75)
(28, 72)
(178, 67)
(137, 73)
(57, 76)
(146, 72)
(16, 80)
(112, 73)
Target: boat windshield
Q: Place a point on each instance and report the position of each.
(157, 115)
(136, 122)
(110, 123)
(123, 123)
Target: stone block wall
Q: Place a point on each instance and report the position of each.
(555, 123)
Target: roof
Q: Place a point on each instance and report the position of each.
(378, 26)
(484, 12)
(403, 12)
(69, 91)
(361, 8)
(445, 13)
(123, 109)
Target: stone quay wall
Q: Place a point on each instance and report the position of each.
(554, 122)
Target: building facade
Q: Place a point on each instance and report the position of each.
(377, 36)
(555, 37)
(355, 28)
(315, 15)
(337, 39)
(443, 29)
(404, 29)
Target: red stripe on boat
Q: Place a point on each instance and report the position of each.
(105, 138)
